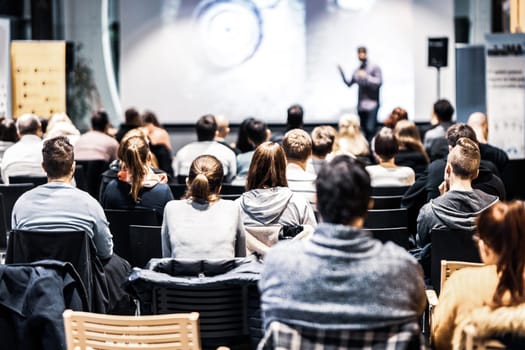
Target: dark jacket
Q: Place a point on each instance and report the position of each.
(32, 300)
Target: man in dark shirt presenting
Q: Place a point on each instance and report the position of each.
(369, 79)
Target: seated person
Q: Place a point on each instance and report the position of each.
(387, 173)
(501, 283)
(350, 138)
(342, 279)
(59, 206)
(411, 151)
(323, 138)
(268, 200)
(257, 132)
(137, 186)
(203, 226)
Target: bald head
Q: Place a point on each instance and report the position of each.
(28, 124)
(479, 122)
(223, 126)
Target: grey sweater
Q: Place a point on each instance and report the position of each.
(341, 278)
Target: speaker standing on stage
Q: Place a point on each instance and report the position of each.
(368, 78)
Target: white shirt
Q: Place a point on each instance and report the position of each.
(24, 158)
(188, 153)
(301, 182)
(385, 177)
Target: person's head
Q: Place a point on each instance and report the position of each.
(205, 179)
(502, 242)
(134, 155)
(223, 126)
(268, 167)
(100, 121)
(8, 131)
(132, 117)
(323, 138)
(343, 191)
(295, 117)
(297, 145)
(206, 128)
(395, 116)
(479, 122)
(361, 53)
(463, 159)
(28, 124)
(243, 144)
(58, 158)
(408, 137)
(349, 124)
(150, 118)
(257, 132)
(385, 144)
(457, 131)
(443, 110)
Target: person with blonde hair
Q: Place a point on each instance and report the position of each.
(61, 125)
(202, 225)
(137, 185)
(350, 139)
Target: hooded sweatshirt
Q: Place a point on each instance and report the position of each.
(275, 206)
(456, 210)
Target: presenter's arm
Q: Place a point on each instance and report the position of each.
(348, 83)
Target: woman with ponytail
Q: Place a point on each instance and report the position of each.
(501, 283)
(137, 186)
(202, 225)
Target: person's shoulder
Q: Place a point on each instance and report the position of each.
(398, 256)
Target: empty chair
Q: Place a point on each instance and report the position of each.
(144, 244)
(3, 226)
(119, 222)
(11, 194)
(386, 218)
(387, 202)
(36, 180)
(389, 191)
(95, 331)
(399, 235)
(80, 177)
(93, 170)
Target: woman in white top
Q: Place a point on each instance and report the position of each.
(387, 173)
(203, 226)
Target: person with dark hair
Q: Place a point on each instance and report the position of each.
(243, 145)
(8, 135)
(24, 158)
(137, 185)
(268, 201)
(442, 116)
(257, 132)
(159, 142)
(323, 139)
(294, 120)
(202, 225)
(96, 144)
(476, 294)
(133, 120)
(206, 128)
(342, 279)
(459, 203)
(387, 173)
(395, 116)
(369, 79)
(297, 146)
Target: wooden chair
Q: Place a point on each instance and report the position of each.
(106, 332)
(144, 244)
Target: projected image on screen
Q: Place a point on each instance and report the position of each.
(240, 58)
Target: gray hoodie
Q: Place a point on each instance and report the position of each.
(455, 210)
(275, 206)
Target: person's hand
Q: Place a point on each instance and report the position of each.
(361, 74)
(443, 188)
(340, 68)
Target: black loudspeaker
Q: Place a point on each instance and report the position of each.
(437, 52)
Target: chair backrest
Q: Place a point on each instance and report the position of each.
(3, 224)
(178, 190)
(86, 330)
(119, 222)
(450, 245)
(399, 236)
(389, 191)
(11, 194)
(93, 170)
(448, 267)
(386, 218)
(144, 243)
(232, 189)
(36, 180)
(80, 177)
(387, 202)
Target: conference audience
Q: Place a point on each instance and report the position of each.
(297, 146)
(24, 158)
(159, 142)
(268, 202)
(96, 144)
(206, 128)
(341, 280)
(497, 289)
(202, 225)
(411, 151)
(387, 173)
(137, 186)
(323, 138)
(350, 139)
(8, 135)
